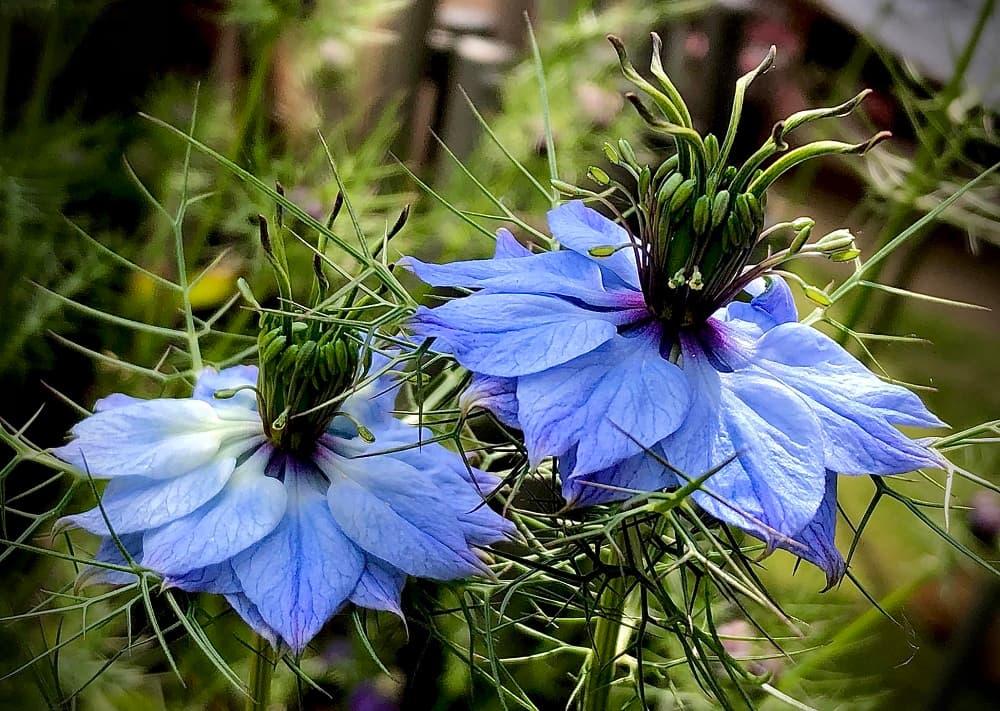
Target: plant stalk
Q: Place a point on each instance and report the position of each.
(606, 642)
(261, 671)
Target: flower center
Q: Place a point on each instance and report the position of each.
(306, 369)
(696, 221)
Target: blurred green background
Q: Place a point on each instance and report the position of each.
(385, 78)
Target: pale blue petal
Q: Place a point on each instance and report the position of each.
(515, 334)
(508, 247)
(247, 509)
(136, 503)
(397, 513)
(109, 552)
(239, 376)
(857, 410)
(150, 438)
(772, 304)
(306, 568)
(380, 587)
(815, 542)
(640, 473)
(251, 615)
(498, 395)
(774, 481)
(114, 401)
(219, 579)
(373, 404)
(579, 228)
(562, 273)
(609, 403)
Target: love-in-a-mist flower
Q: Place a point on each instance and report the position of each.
(651, 351)
(269, 487)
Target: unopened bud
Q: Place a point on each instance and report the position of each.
(611, 154)
(598, 175)
(816, 295)
(719, 207)
(803, 228)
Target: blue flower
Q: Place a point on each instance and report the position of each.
(570, 348)
(199, 494)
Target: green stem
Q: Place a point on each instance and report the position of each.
(599, 668)
(259, 683)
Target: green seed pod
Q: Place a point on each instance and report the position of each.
(702, 215)
(681, 196)
(719, 207)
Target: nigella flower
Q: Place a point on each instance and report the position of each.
(290, 518)
(647, 353)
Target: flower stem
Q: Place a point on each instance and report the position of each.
(259, 683)
(599, 668)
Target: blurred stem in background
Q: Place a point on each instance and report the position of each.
(261, 672)
(937, 150)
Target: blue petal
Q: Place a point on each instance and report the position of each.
(580, 229)
(247, 509)
(239, 376)
(373, 404)
(397, 513)
(380, 587)
(774, 480)
(856, 409)
(562, 273)
(610, 403)
(251, 615)
(109, 552)
(151, 438)
(640, 473)
(815, 542)
(306, 568)
(136, 503)
(498, 395)
(772, 304)
(114, 401)
(219, 579)
(508, 247)
(515, 334)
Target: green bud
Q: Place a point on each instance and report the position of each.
(816, 295)
(666, 167)
(711, 149)
(846, 255)
(605, 250)
(669, 187)
(681, 196)
(702, 215)
(719, 207)
(625, 148)
(803, 228)
(568, 188)
(598, 175)
(744, 212)
(611, 154)
(644, 177)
